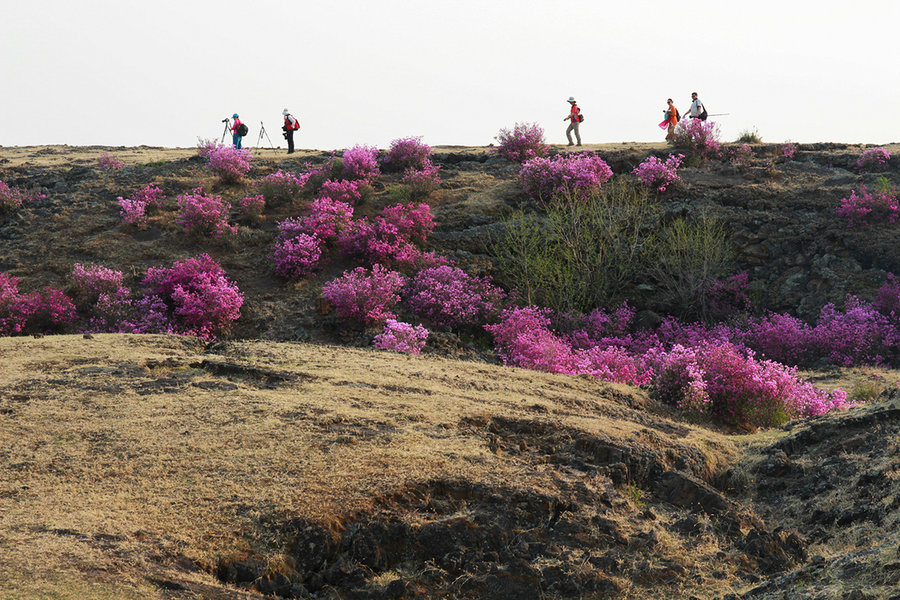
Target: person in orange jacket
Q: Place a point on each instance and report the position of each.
(672, 117)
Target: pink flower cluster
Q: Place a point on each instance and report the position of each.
(12, 198)
(46, 311)
(109, 162)
(788, 149)
(742, 155)
(700, 137)
(873, 159)
(402, 337)
(448, 296)
(564, 175)
(524, 142)
(392, 238)
(360, 163)
(228, 163)
(252, 207)
(281, 186)
(407, 153)
(133, 212)
(327, 218)
(867, 208)
(657, 174)
(423, 181)
(204, 215)
(365, 295)
(342, 191)
(296, 256)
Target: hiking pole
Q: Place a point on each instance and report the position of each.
(263, 132)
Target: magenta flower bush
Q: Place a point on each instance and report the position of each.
(742, 155)
(133, 212)
(402, 337)
(448, 296)
(407, 153)
(657, 174)
(228, 163)
(414, 222)
(281, 186)
(49, 311)
(392, 238)
(327, 218)
(867, 208)
(12, 198)
(109, 162)
(297, 256)
(700, 138)
(204, 215)
(365, 295)
(90, 281)
(13, 306)
(192, 297)
(578, 175)
(788, 149)
(341, 191)
(360, 163)
(250, 208)
(524, 142)
(423, 181)
(150, 194)
(873, 159)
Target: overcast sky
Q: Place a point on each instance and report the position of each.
(166, 72)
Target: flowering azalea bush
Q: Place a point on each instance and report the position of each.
(326, 218)
(866, 208)
(577, 175)
(788, 149)
(192, 297)
(407, 153)
(230, 164)
(297, 256)
(133, 212)
(13, 306)
(657, 174)
(109, 162)
(90, 281)
(46, 311)
(12, 198)
(413, 221)
(342, 190)
(150, 194)
(873, 159)
(422, 182)
(204, 215)
(365, 295)
(742, 155)
(700, 138)
(524, 142)
(281, 186)
(360, 163)
(448, 296)
(250, 208)
(402, 337)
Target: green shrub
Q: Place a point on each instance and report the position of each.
(582, 253)
(749, 137)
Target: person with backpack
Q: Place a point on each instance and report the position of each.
(672, 117)
(290, 126)
(575, 118)
(697, 110)
(238, 130)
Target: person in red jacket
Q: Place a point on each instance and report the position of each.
(235, 136)
(574, 119)
(290, 126)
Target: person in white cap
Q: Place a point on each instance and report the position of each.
(290, 126)
(574, 118)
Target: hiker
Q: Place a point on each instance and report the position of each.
(235, 136)
(697, 110)
(672, 117)
(290, 126)
(575, 118)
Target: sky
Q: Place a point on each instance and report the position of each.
(165, 73)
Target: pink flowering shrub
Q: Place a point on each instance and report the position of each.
(578, 175)
(523, 143)
(788, 149)
(150, 194)
(230, 164)
(12, 198)
(327, 218)
(413, 221)
(700, 138)
(133, 212)
(852, 336)
(192, 297)
(250, 208)
(423, 181)
(281, 186)
(13, 306)
(297, 256)
(867, 207)
(448, 296)
(90, 281)
(341, 191)
(204, 215)
(407, 153)
(402, 337)
(365, 295)
(873, 159)
(742, 155)
(49, 311)
(360, 163)
(392, 238)
(657, 174)
(109, 162)
(732, 386)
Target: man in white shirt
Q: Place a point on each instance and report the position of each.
(697, 110)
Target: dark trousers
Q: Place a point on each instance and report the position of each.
(289, 136)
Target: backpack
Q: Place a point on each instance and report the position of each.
(296, 123)
(580, 117)
(243, 130)
(702, 116)
(677, 115)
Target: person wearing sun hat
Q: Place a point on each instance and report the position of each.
(235, 136)
(290, 126)
(574, 118)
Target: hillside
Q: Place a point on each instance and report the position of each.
(290, 457)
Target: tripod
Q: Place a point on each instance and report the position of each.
(263, 132)
(226, 131)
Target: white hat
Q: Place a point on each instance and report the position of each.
(285, 112)
(571, 99)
